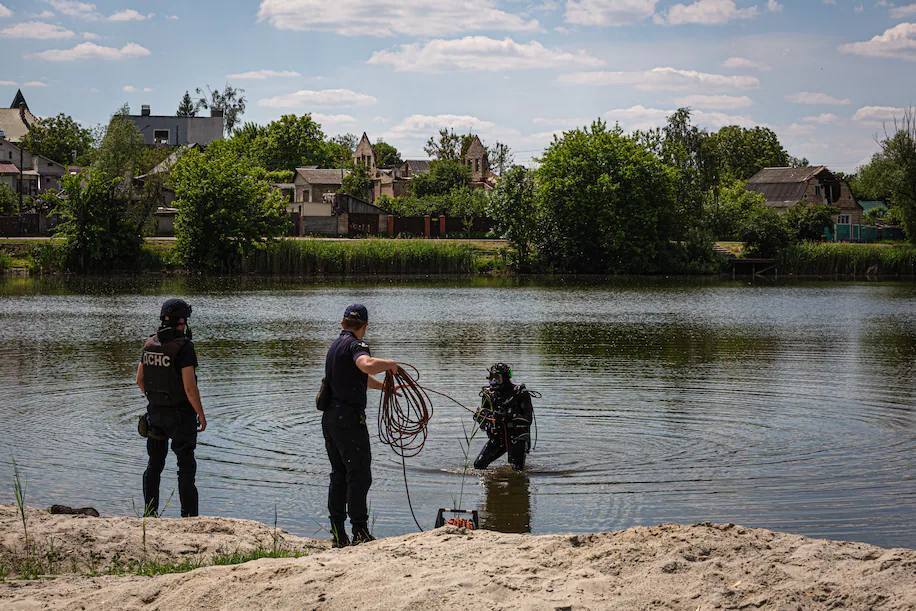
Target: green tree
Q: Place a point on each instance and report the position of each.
(512, 208)
(899, 150)
(500, 157)
(606, 203)
(745, 151)
(465, 203)
(357, 183)
(9, 200)
(447, 146)
(727, 214)
(186, 108)
(766, 232)
(225, 210)
(807, 221)
(386, 156)
(59, 138)
(443, 177)
(874, 180)
(294, 141)
(231, 101)
(93, 224)
(121, 151)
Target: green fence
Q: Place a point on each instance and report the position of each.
(861, 233)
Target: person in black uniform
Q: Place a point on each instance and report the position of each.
(166, 375)
(348, 370)
(505, 415)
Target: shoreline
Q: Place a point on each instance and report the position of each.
(703, 566)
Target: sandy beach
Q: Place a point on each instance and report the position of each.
(703, 566)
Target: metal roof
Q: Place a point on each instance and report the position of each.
(785, 175)
(315, 176)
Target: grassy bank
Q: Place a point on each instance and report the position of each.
(364, 257)
(838, 259)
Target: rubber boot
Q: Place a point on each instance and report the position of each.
(339, 536)
(361, 534)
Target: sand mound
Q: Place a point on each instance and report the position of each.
(669, 566)
(93, 545)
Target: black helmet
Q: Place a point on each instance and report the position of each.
(500, 374)
(173, 310)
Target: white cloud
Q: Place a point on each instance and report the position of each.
(812, 98)
(608, 12)
(73, 8)
(7, 83)
(878, 114)
(708, 12)
(5, 12)
(90, 36)
(260, 75)
(34, 84)
(129, 89)
(89, 50)
(129, 15)
(333, 119)
(36, 30)
(903, 12)
(899, 42)
(822, 119)
(479, 53)
(306, 98)
(773, 6)
(45, 15)
(172, 17)
(147, 89)
(662, 79)
(641, 117)
(743, 63)
(390, 17)
(717, 102)
(413, 131)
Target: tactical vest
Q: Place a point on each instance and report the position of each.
(162, 381)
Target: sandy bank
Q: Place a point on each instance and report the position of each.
(669, 566)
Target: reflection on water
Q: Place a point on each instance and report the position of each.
(507, 501)
(787, 407)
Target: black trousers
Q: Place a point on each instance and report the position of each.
(346, 439)
(496, 447)
(178, 424)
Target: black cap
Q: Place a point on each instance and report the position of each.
(357, 311)
(174, 309)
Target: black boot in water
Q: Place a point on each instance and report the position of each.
(361, 534)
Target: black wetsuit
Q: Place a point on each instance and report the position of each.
(171, 417)
(505, 415)
(346, 436)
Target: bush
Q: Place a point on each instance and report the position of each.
(765, 232)
(727, 216)
(807, 221)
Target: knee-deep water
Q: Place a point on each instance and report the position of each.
(790, 406)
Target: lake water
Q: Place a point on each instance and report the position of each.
(790, 407)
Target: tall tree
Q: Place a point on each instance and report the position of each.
(500, 157)
(512, 208)
(447, 146)
(743, 152)
(186, 108)
(386, 156)
(444, 176)
(230, 101)
(357, 183)
(59, 138)
(120, 153)
(899, 149)
(226, 209)
(293, 141)
(606, 204)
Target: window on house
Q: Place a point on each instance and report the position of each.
(843, 219)
(477, 165)
(817, 190)
(161, 136)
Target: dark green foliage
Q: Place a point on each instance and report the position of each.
(726, 215)
(873, 180)
(9, 200)
(386, 156)
(226, 210)
(807, 221)
(357, 183)
(294, 141)
(830, 259)
(186, 107)
(606, 204)
(93, 227)
(500, 157)
(443, 177)
(122, 150)
(899, 149)
(766, 232)
(59, 138)
(446, 146)
(512, 208)
(742, 152)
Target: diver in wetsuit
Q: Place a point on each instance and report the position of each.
(505, 415)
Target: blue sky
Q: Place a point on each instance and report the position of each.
(823, 74)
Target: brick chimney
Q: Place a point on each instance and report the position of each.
(216, 112)
(144, 110)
